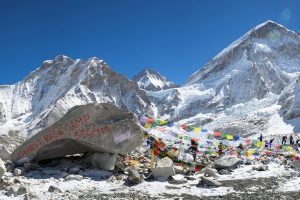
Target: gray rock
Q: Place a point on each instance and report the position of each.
(18, 172)
(112, 179)
(296, 164)
(210, 172)
(224, 172)
(10, 166)
(104, 161)
(92, 127)
(134, 177)
(54, 189)
(178, 170)
(4, 152)
(209, 182)
(2, 168)
(16, 190)
(260, 167)
(227, 162)
(177, 179)
(164, 168)
(73, 177)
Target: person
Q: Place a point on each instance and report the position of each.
(298, 142)
(240, 149)
(194, 148)
(284, 138)
(271, 141)
(220, 149)
(266, 144)
(291, 140)
(260, 137)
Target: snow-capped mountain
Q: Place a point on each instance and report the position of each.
(151, 80)
(251, 86)
(242, 89)
(50, 91)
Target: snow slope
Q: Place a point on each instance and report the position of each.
(50, 91)
(244, 87)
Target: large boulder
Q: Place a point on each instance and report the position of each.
(88, 128)
(227, 162)
(164, 168)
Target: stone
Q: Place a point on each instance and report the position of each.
(5, 154)
(164, 168)
(2, 168)
(94, 127)
(208, 182)
(296, 164)
(227, 162)
(10, 166)
(16, 190)
(54, 189)
(112, 179)
(224, 172)
(74, 170)
(119, 177)
(18, 172)
(177, 179)
(210, 172)
(134, 177)
(73, 177)
(104, 161)
(178, 170)
(260, 167)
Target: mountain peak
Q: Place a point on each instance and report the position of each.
(149, 79)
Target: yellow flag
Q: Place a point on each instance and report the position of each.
(259, 144)
(229, 137)
(197, 130)
(163, 122)
(147, 125)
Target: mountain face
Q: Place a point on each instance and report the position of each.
(151, 80)
(252, 86)
(244, 88)
(50, 91)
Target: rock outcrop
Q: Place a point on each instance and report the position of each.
(89, 128)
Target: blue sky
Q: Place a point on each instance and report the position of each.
(174, 37)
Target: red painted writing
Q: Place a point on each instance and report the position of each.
(90, 132)
(53, 135)
(79, 121)
(31, 147)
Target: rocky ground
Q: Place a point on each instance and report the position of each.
(70, 178)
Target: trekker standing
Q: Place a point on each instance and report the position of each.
(291, 140)
(260, 137)
(194, 148)
(284, 138)
(271, 141)
(220, 149)
(241, 148)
